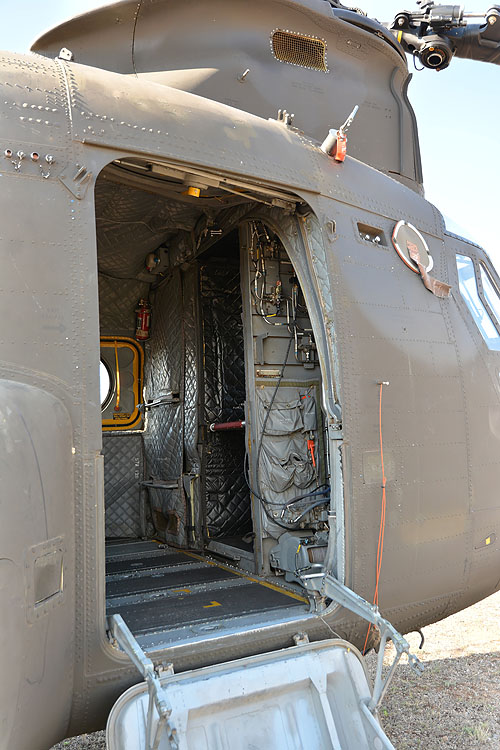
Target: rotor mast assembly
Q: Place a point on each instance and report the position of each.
(434, 34)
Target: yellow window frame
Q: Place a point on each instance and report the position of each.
(125, 420)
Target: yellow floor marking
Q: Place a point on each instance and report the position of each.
(199, 557)
(249, 578)
(212, 604)
(181, 591)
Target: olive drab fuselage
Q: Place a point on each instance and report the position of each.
(106, 140)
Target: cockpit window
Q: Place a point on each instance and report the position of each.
(490, 292)
(469, 291)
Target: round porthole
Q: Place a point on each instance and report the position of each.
(406, 236)
(106, 384)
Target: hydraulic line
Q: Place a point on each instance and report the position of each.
(306, 510)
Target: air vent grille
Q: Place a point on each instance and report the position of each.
(299, 49)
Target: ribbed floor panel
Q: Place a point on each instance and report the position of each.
(170, 579)
(133, 565)
(159, 589)
(201, 606)
(119, 547)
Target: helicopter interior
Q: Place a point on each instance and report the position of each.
(213, 434)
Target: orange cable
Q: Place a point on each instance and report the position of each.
(380, 547)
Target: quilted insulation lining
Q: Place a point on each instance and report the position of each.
(131, 223)
(175, 356)
(227, 503)
(163, 374)
(118, 300)
(123, 469)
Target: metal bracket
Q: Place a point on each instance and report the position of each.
(301, 639)
(284, 117)
(164, 400)
(78, 183)
(259, 348)
(328, 586)
(157, 696)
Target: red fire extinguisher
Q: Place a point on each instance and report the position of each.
(142, 320)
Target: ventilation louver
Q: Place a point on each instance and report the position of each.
(299, 49)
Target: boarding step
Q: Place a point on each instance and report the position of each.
(312, 696)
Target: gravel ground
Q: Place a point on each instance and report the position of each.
(94, 741)
(454, 705)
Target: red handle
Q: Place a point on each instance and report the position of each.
(226, 426)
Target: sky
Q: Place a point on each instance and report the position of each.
(458, 113)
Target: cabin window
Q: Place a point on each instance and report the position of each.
(469, 291)
(105, 384)
(120, 373)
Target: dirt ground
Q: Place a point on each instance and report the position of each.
(454, 705)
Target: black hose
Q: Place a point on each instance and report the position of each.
(264, 503)
(315, 493)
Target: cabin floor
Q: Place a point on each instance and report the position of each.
(157, 589)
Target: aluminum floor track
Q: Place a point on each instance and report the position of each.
(155, 588)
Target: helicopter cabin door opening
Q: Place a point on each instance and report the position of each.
(215, 465)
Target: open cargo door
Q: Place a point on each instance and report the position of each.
(313, 696)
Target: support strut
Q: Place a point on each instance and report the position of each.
(329, 587)
(158, 707)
